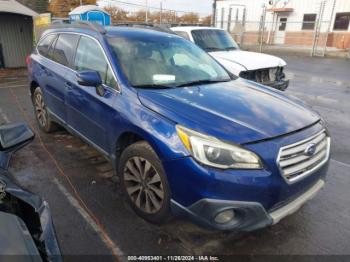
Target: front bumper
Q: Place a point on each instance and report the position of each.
(260, 197)
(249, 216)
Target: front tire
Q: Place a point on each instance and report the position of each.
(144, 182)
(41, 114)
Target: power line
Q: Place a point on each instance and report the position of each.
(151, 7)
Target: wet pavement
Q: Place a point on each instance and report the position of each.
(91, 217)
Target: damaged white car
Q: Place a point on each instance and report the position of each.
(261, 68)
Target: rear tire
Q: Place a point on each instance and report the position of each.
(41, 113)
(144, 182)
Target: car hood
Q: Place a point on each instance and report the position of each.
(236, 111)
(249, 60)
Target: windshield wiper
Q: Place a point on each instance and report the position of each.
(153, 86)
(230, 48)
(203, 82)
(210, 49)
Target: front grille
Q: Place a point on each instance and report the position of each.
(298, 160)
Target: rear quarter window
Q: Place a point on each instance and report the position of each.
(45, 44)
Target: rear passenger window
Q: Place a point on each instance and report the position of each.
(64, 48)
(89, 56)
(44, 45)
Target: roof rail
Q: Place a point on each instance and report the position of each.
(184, 25)
(94, 26)
(156, 27)
(79, 24)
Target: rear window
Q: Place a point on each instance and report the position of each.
(183, 34)
(44, 45)
(214, 40)
(64, 49)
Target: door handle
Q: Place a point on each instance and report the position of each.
(68, 85)
(43, 68)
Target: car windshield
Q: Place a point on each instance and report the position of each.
(214, 40)
(164, 62)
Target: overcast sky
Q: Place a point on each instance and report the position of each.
(199, 6)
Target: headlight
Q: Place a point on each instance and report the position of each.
(213, 152)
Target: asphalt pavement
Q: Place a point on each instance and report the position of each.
(91, 217)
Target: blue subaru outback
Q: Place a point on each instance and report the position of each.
(185, 136)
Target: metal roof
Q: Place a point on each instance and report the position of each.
(12, 6)
(86, 8)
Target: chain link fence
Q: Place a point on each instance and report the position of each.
(312, 37)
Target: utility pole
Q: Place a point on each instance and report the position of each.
(161, 12)
(146, 11)
(81, 2)
(262, 27)
(214, 14)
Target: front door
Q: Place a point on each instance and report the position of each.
(91, 114)
(280, 32)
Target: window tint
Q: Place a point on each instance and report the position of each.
(309, 22)
(89, 56)
(45, 44)
(183, 34)
(64, 48)
(342, 21)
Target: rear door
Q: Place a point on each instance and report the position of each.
(61, 55)
(89, 113)
(42, 61)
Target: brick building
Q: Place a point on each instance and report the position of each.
(290, 22)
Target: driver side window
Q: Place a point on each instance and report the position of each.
(89, 56)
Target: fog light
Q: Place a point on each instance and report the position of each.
(225, 216)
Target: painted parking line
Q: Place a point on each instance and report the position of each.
(13, 81)
(74, 202)
(4, 116)
(102, 233)
(13, 86)
(340, 163)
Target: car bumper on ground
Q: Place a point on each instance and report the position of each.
(240, 215)
(281, 85)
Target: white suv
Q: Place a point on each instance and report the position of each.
(257, 67)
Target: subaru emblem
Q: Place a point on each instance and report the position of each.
(310, 150)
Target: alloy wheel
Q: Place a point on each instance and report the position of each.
(40, 109)
(143, 185)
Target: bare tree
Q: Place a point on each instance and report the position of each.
(117, 14)
(61, 8)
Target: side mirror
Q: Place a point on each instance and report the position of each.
(89, 78)
(12, 138)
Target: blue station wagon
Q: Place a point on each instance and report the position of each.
(185, 136)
